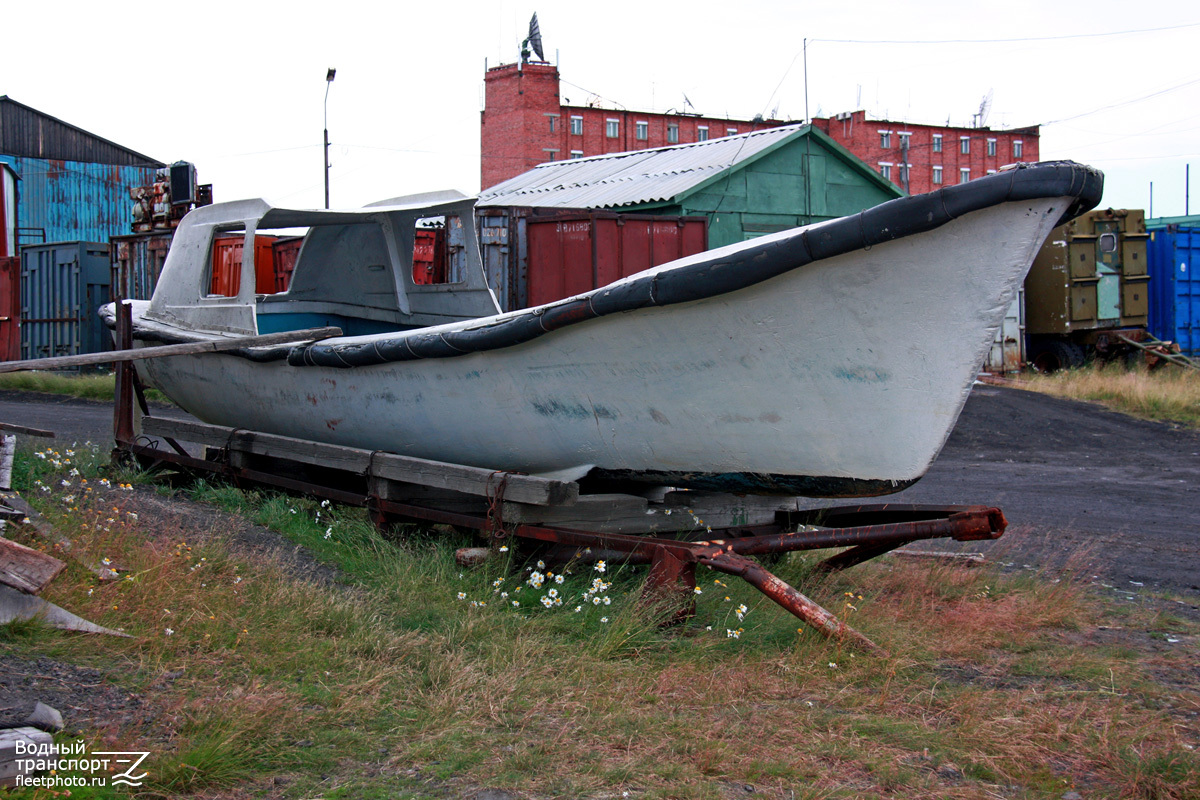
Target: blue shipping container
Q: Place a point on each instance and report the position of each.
(62, 287)
(1173, 261)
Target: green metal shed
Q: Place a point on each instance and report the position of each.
(746, 185)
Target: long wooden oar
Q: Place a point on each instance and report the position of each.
(207, 346)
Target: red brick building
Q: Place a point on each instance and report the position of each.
(524, 123)
(928, 157)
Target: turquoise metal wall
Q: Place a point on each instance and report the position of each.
(61, 201)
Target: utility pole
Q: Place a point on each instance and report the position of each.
(328, 81)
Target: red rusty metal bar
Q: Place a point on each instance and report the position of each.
(791, 600)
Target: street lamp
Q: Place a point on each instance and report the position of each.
(329, 76)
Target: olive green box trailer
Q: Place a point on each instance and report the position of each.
(1087, 285)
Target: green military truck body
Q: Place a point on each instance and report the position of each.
(1087, 284)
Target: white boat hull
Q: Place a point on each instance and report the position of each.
(841, 377)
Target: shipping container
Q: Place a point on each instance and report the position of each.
(285, 252)
(136, 262)
(1007, 353)
(8, 212)
(10, 308)
(1086, 288)
(533, 258)
(1174, 259)
(227, 265)
(62, 286)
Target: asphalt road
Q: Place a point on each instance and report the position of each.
(1082, 487)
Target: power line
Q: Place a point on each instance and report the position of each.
(1010, 41)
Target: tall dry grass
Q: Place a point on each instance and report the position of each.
(1169, 394)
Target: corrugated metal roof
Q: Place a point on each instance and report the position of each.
(641, 176)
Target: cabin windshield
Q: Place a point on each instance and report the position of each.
(387, 273)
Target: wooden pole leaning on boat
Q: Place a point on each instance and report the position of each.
(160, 351)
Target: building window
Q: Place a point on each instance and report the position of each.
(1017, 148)
(905, 141)
(702, 133)
(731, 131)
(576, 154)
(643, 130)
(672, 133)
(991, 172)
(937, 174)
(885, 139)
(553, 118)
(991, 147)
(577, 126)
(551, 155)
(886, 171)
(904, 168)
(964, 144)
(612, 128)
(937, 143)
(964, 175)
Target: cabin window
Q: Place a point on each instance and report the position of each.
(991, 144)
(702, 133)
(612, 128)
(643, 131)
(1017, 148)
(1108, 243)
(673, 133)
(225, 265)
(937, 143)
(964, 144)
(576, 126)
(437, 251)
(937, 174)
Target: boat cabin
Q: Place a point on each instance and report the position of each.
(400, 264)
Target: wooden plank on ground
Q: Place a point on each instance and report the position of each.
(26, 569)
(434, 474)
(188, 348)
(11, 762)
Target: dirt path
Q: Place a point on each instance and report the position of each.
(1076, 481)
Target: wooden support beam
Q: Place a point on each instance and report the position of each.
(26, 569)
(8, 427)
(188, 348)
(434, 474)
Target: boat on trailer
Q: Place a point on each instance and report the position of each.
(830, 360)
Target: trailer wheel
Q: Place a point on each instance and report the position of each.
(1057, 354)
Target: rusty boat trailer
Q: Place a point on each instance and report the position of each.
(500, 505)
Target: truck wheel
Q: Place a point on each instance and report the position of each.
(1057, 354)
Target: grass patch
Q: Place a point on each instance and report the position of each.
(1168, 394)
(86, 385)
(407, 676)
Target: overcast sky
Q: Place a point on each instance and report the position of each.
(238, 88)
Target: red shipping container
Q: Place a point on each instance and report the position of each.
(575, 253)
(227, 265)
(285, 251)
(10, 308)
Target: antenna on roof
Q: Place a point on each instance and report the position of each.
(533, 40)
(980, 118)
